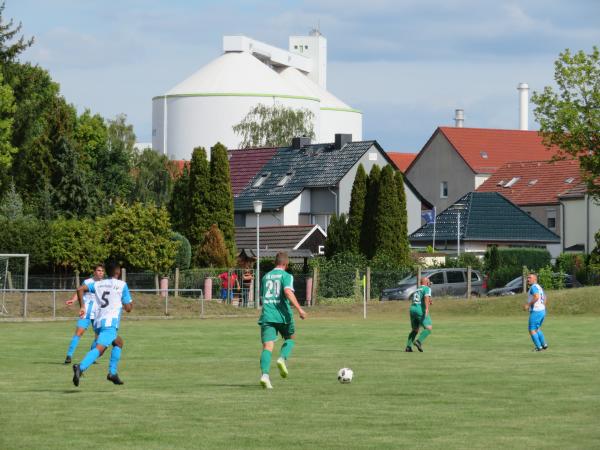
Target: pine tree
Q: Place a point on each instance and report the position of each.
(357, 208)
(10, 50)
(71, 193)
(387, 223)
(220, 199)
(179, 204)
(212, 251)
(368, 222)
(199, 191)
(337, 236)
(404, 245)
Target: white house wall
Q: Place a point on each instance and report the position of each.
(291, 211)
(266, 219)
(574, 222)
(480, 179)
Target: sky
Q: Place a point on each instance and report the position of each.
(406, 64)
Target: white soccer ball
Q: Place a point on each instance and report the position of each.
(345, 375)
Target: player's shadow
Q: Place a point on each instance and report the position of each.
(394, 350)
(51, 363)
(55, 391)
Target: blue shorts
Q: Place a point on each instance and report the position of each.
(224, 294)
(536, 319)
(84, 323)
(106, 336)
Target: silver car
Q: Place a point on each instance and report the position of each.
(444, 283)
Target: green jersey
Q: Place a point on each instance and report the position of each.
(276, 306)
(418, 299)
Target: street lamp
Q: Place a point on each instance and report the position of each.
(257, 210)
(458, 207)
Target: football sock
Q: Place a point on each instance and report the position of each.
(115, 357)
(73, 345)
(286, 348)
(424, 335)
(541, 338)
(265, 361)
(536, 340)
(93, 346)
(89, 359)
(411, 338)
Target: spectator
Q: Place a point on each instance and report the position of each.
(228, 282)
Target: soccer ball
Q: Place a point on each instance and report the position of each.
(345, 375)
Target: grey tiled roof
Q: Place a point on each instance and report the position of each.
(281, 238)
(486, 216)
(313, 166)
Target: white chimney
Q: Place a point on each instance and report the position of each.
(459, 118)
(523, 89)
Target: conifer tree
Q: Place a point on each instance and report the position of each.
(387, 223)
(220, 200)
(404, 245)
(357, 208)
(368, 222)
(198, 194)
(212, 251)
(337, 236)
(179, 205)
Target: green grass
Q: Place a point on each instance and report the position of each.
(194, 383)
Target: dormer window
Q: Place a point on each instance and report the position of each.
(285, 179)
(260, 180)
(532, 182)
(512, 182)
(484, 155)
(569, 180)
(500, 183)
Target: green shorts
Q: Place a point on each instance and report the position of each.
(269, 330)
(419, 320)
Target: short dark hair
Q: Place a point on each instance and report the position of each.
(99, 265)
(112, 267)
(281, 259)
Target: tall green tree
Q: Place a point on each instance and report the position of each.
(7, 111)
(152, 179)
(570, 116)
(179, 204)
(368, 223)
(274, 126)
(220, 201)
(11, 44)
(212, 251)
(403, 244)
(72, 189)
(387, 222)
(357, 208)
(198, 197)
(11, 206)
(338, 240)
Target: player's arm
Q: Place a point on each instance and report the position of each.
(126, 299)
(72, 300)
(80, 291)
(289, 293)
(427, 304)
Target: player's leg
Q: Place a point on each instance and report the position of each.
(427, 327)
(540, 333)
(289, 336)
(82, 325)
(105, 338)
(534, 325)
(415, 322)
(268, 334)
(115, 357)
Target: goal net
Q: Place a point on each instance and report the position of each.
(14, 279)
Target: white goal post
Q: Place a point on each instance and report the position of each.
(6, 278)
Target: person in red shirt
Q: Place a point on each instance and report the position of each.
(228, 281)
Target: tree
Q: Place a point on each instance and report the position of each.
(357, 208)
(7, 111)
(337, 236)
(152, 180)
(72, 191)
(492, 259)
(197, 198)
(139, 236)
(570, 117)
(403, 244)
(212, 251)
(368, 222)
(26, 235)
(9, 51)
(220, 200)
(184, 252)
(179, 205)
(274, 126)
(11, 206)
(387, 222)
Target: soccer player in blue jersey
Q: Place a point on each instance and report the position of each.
(84, 323)
(111, 296)
(536, 305)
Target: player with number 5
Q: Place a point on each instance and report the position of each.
(111, 296)
(277, 317)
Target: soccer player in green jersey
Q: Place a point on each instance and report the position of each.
(277, 317)
(419, 315)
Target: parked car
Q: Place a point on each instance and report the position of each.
(444, 282)
(516, 286)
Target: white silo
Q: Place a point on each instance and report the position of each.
(335, 115)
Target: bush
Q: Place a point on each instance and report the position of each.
(550, 280)
(183, 257)
(503, 275)
(573, 264)
(533, 258)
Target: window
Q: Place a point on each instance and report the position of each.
(285, 179)
(532, 182)
(474, 276)
(484, 155)
(444, 189)
(295, 47)
(455, 276)
(373, 156)
(260, 180)
(500, 183)
(569, 180)
(512, 182)
(154, 132)
(551, 218)
(551, 222)
(437, 278)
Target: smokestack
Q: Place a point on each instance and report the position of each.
(459, 118)
(523, 89)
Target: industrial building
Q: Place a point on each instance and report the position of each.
(202, 109)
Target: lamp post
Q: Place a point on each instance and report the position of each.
(257, 210)
(458, 207)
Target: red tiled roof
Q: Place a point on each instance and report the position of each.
(402, 160)
(244, 164)
(539, 182)
(485, 150)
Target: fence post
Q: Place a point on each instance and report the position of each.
(10, 280)
(176, 294)
(368, 288)
(469, 285)
(229, 300)
(54, 305)
(77, 283)
(124, 274)
(315, 285)
(25, 305)
(309, 288)
(357, 287)
(167, 303)
(156, 284)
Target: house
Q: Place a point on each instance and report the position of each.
(297, 240)
(485, 218)
(535, 186)
(455, 161)
(306, 184)
(580, 220)
(402, 160)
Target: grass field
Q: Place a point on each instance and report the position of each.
(194, 383)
